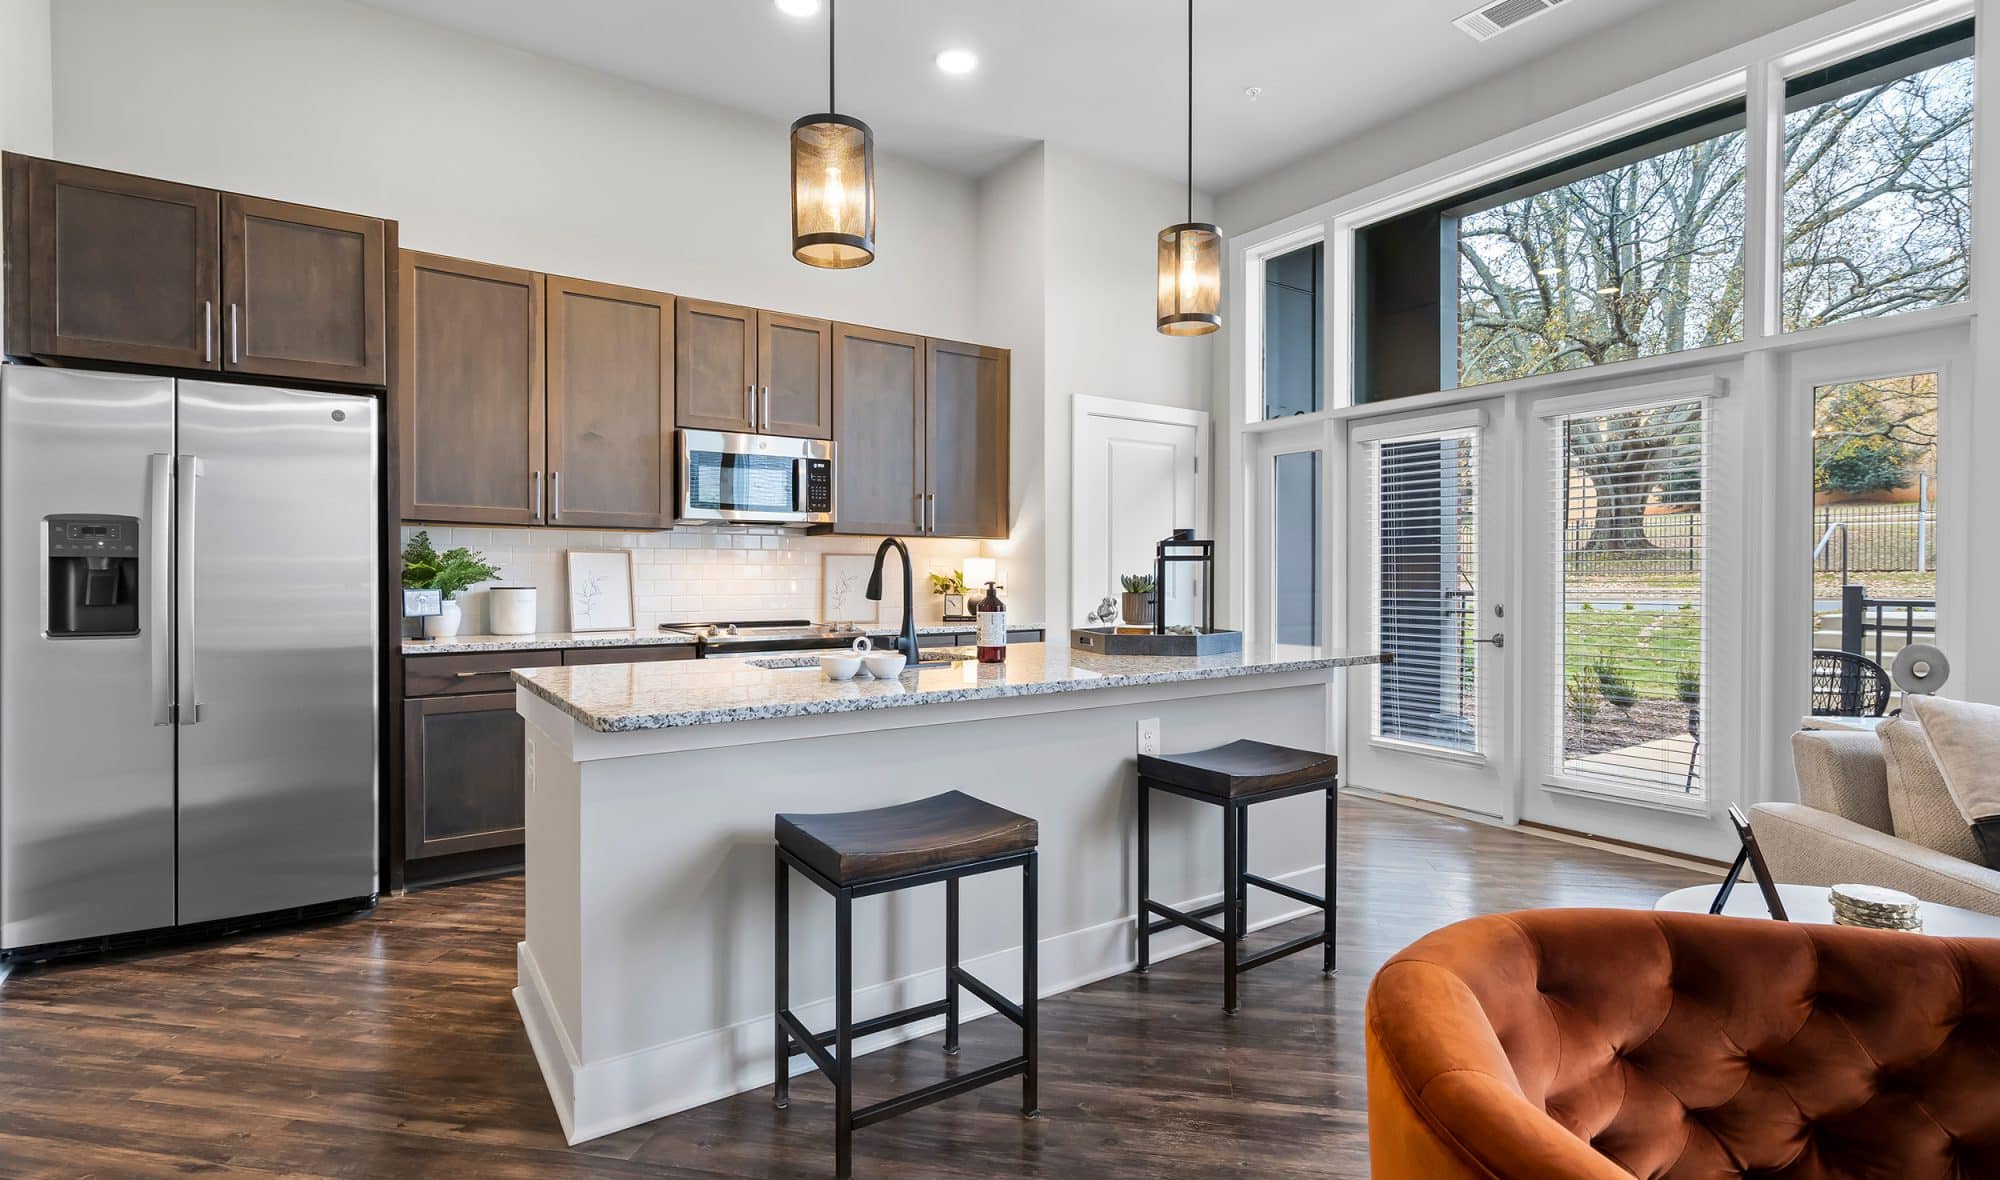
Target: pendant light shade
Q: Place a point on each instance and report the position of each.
(1190, 254)
(1190, 279)
(833, 183)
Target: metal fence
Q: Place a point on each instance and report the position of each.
(1675, 547)
(1865, 622)
(1875, 538)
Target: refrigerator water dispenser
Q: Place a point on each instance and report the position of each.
(93, 576)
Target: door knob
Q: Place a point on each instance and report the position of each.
(1498, 640)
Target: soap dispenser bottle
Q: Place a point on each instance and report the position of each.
(991, 616)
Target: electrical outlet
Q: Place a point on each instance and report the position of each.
(1149, 736)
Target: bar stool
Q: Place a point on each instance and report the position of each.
(1233, 777)
(857, 854)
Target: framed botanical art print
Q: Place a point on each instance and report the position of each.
(600, 590)
(843, 587)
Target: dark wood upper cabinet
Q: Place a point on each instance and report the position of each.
(715, 366)
(965, 419)
(117, 267)
(303, 292)
(878, 434)
(794, 375)
(611, 405)
(471, 406)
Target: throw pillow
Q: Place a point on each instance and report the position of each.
(1965, 739)
(1921, 809)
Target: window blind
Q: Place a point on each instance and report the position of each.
(1424, 525)
(1628, 494)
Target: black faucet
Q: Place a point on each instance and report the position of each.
(907, 641)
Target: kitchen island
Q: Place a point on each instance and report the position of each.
(645, 978)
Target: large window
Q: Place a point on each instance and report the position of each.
(1424, 513)
(1878, 182)
(1635, 260)
(1294, 333)
(1629, 492)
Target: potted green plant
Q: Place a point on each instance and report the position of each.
(1140, 600)
(450, 572)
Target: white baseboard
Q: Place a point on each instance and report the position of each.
(601, 1097)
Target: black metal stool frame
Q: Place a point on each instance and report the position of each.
(1236, 877)
(838, 1064)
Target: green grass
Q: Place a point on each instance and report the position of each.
(1647, 645)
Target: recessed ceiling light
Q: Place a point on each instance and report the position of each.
(799, 8)
(958, 61)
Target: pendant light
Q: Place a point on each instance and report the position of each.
(1190, 302)
(833, 183)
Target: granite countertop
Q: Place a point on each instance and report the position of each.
(548, 640)
(543, 641)
(618, 698)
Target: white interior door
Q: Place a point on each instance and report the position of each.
(1424, 584)
(1139, 474)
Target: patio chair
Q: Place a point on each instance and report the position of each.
(1845, 684)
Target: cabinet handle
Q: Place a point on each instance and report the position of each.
(535, 479)
(555, 494)
(235, 338)
(767, 409)
(931, 499)
(750, 405)
(470, 675)
(207, 331)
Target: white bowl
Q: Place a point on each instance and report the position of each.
(885, 665)
(840, 665)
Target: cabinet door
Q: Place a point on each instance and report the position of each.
(611, 405)
(715, 366)
(471, 407)
(794, 375)
(121, 268)
(464, 772)
(966, 417)
(303, 292)
(878, 431)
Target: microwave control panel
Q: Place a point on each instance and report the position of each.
(819, 485)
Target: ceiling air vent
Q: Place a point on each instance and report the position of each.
(1484, 24)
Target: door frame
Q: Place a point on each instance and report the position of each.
(1084, 407)
(1486, 783)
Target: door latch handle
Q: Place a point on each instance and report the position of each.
(1498, 640)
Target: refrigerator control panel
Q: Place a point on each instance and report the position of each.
(93, 536)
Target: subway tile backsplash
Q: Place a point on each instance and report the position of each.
(690, 573)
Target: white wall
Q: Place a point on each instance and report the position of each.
(488, 152)
(27, 120)
(1102, 225)
(1013, 277)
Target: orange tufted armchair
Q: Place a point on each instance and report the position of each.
(1602, 1044)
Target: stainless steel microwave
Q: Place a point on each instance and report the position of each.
(755, 479)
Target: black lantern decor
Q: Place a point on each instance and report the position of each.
(833, 182)
(1190, 254)
(1184, 549)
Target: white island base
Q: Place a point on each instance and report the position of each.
(645, 978)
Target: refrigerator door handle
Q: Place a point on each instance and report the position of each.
(187, 476)
(159, 556)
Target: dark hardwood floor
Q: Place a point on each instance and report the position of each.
(387, 1046)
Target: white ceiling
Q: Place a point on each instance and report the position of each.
(1107, 77)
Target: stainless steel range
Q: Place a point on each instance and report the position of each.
(765, 637)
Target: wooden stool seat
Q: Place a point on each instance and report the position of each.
(1241, 768)
(859, 854)
(849, 847)
(1232, 777)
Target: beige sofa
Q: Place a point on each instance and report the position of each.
(1839, 832)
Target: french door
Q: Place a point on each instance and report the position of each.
(1293, 541)
(1425, 506)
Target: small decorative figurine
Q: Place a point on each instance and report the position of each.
(1106, 611)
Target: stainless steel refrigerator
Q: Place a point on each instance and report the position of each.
(188, 652)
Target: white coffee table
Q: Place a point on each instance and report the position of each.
(1808, 903)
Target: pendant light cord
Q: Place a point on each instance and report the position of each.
(1190, 118)
(830, 107)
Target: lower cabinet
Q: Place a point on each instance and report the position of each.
(462, 774)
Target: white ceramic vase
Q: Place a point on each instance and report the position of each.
(445, 625)
(510, 610)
